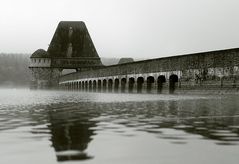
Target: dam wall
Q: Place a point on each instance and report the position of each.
(215, 70)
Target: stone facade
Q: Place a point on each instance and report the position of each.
(44, 78)
(71, 48)
(43, 75)
(216, 70)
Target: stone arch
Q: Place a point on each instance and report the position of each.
(173, 79)
(79, 85)
(83, 85)
(123, 84)
(94, 86)
(86, 85)
(110, 85)
(99, 85)
(150, 82)
(116, 86)
(90, 86)
(104, 85)
(140, 82)
(161, 81)
(131, 84)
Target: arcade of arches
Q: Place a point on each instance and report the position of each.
(140, 84)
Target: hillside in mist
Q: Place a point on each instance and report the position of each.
(14, 70)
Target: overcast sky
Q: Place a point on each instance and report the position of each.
(124, 28)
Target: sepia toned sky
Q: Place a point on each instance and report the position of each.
(124, 28)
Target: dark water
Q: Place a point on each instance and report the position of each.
(72, 127)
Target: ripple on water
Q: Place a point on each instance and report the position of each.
(73, 123)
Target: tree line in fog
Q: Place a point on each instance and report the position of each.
(14, 70)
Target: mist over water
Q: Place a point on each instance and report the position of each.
(58, 126)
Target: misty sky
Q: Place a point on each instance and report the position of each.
(124, 28)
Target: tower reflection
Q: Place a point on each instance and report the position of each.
(71, 133)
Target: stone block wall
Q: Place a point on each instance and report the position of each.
(201, 71)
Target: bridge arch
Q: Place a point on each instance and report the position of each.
(104, 85)
(161, 81)
(140, 82)
(123, 84)
(83, 85)
(110, 85)
(94, 86)
(79, 87)
(90, 86)
(99, 85)
(116, 85)
(173, 79)
(150, 84)
(131, 84)
(86, 85)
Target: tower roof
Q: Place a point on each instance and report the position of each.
(40, 53)
(75, 35)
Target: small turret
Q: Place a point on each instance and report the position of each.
(40, 66)
(40, 58)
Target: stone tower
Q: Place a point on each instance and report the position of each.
(71, 48)
(43, 76)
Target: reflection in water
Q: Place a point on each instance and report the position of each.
(71, 121)
(70, 134)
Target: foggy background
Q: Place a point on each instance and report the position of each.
(139, 29)
(124, 28)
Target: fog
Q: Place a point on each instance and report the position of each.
(124, 28)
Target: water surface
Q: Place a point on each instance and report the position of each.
(99, 128)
